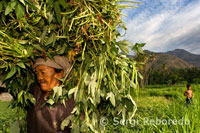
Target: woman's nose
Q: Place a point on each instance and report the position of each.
(39, 76)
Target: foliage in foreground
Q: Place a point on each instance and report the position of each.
(86, 31)
(158, 102)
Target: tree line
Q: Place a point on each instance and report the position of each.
(174, 76)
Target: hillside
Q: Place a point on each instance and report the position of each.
(169, 61)
(186, 56)
(166, 60)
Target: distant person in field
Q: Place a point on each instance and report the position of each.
(188, 93)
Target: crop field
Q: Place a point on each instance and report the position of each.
(163, 109)
(159, 109)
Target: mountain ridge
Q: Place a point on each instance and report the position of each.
(178, 58)
(168, 61)
(186, 56)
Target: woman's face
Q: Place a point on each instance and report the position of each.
(47, 77)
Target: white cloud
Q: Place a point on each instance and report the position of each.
(167, 29)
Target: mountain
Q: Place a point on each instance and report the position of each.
(186, 56)
(168, 61)
(178, 58)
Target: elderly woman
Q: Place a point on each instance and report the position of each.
(41, 118)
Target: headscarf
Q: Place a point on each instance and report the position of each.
(58, 62)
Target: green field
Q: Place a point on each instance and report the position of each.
(167, 104)
(163, 109)
(159, 109)
(7, 116)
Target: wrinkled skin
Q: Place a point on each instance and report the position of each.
(47, 78)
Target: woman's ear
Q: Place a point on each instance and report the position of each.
(60, 74)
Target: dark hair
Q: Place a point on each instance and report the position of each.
(188, 85)
(58, 70)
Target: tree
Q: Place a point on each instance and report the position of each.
(144, 62)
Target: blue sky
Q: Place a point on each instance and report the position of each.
(165, 25)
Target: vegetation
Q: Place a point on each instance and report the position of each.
(8, 118)
(174, 76)
(157, 102)
(163, 68)
(104, 82)
(168, 103)
(86, 31)
(164, 104)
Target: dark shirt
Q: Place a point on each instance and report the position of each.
(44, 119)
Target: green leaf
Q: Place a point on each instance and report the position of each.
(141, 44)
(22, 1)
(1, 5)
(140, 75)
(92, 101)
(20, 10)
(94, 118)
(50, 17)
(83, 128)
(104, 48)
(73, 90)
(92, 86)
(97, 96)
(66, 122)
(51, 39)
(38, 47)
(123, 45)
(9, 8)
(58, 12)
(111, 97)
(140, 50)
(134, 106)
(19, 71)
(63, 3)
(124, 49)
(75, 127)
(43, 34)
(32, 99)
(11, 73)
(31, 5)
(21, 65)
(51, 101)
(62, 50)
(20, 94)
(87, 79)
(57, 91)
(13, 4)
(123, 114)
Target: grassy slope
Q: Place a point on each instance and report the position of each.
(7, 116)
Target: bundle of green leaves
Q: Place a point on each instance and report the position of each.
(86, 31)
